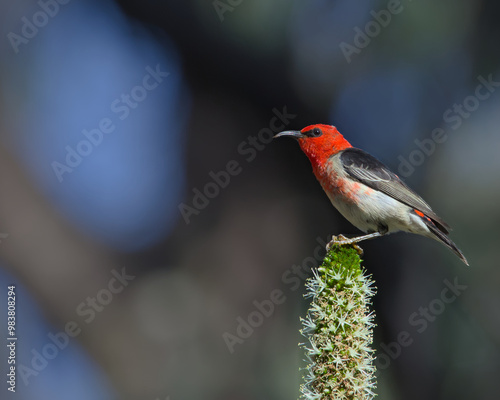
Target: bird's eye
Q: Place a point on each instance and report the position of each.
(316, 132)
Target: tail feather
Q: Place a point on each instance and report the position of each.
(444, 239)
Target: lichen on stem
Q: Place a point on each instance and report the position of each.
(338, 328)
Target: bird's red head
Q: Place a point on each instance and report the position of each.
(318, 142)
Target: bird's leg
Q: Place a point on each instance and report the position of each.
(341, 239)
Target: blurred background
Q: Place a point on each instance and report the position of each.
(144, 212)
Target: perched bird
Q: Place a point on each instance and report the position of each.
(365, 191)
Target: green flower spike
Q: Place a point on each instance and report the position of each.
(338, 326)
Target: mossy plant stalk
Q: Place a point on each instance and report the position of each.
(338, 328)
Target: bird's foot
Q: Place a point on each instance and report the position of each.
(342, 240)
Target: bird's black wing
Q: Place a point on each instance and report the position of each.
(366, 169)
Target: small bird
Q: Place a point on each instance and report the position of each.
(367, 193)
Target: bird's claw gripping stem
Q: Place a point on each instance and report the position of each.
(342, 240)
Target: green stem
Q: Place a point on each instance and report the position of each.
(338, 326)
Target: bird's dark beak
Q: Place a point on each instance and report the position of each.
(295, 134)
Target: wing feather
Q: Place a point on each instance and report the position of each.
(368, 170)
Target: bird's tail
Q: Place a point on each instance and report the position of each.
(440, 236)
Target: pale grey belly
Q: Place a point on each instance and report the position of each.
(374, 211)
